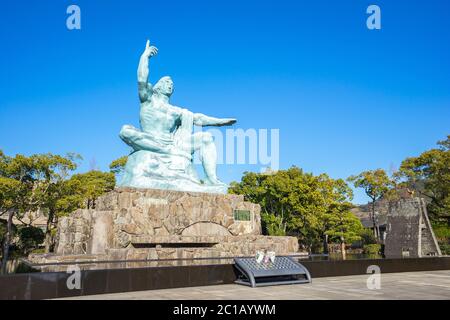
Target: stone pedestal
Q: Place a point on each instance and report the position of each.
(139, 224)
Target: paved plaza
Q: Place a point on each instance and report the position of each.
(430, 285)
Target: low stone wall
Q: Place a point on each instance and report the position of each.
(220, 247)
(125, 213)
(134, 224)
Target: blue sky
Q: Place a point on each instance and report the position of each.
(345, 98)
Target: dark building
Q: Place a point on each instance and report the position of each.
(409, 232)
(404, 226)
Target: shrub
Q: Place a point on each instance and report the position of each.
(30, 238)
(367, 237)
(372, 249)
(445, 248)
(442, 233)
(273, 225)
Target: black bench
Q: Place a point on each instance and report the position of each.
(284, 270)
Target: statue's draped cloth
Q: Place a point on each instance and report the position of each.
(149, 169)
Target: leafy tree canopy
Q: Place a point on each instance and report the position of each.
(89, 186)
(376, 183)
(429, 176)
(118, 165)
(29, 238)
(301, 204)
(44, 182)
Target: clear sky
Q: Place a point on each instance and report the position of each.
(345, 98)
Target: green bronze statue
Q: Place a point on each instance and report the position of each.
(163, 149)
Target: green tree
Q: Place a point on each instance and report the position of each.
(43, 182)
(29, 238)
(60, 168)
(3, 232)
(428, 175)
(376, 184)
(296, 203)
(24, 182)
(283, 199)
(344, 227)
(118, 166)
(90, 186)
(335, 197)
(367, 237)
(79, 191)
(273, 224)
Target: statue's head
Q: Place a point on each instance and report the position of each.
(164, 86)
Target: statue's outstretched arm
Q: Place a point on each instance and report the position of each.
(143, 72)
(202, 120)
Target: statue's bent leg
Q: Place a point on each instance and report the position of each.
(139, 140)
(204, 143)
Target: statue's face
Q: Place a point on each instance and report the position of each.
(165, 86)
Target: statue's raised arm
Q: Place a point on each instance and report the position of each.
(202, 120)
(145, 88)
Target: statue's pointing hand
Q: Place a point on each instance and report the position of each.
(150, 51)
(227, 122)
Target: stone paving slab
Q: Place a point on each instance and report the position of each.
(431, 285)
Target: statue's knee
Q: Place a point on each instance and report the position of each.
(125, 132)
(207, 138)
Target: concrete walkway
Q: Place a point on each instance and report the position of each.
(412, 285)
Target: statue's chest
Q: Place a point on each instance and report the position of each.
(158, 115)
